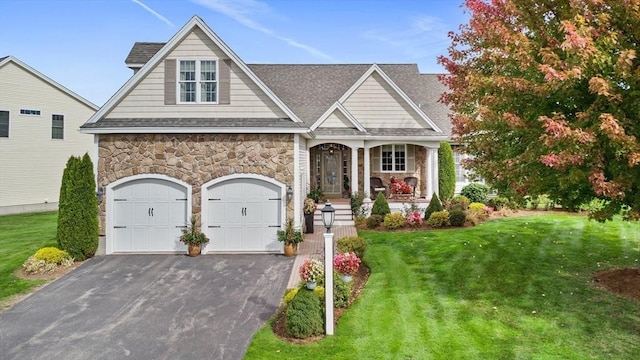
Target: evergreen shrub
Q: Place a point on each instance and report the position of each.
(438, 219)
(353, 244)
(394, 221)
(457, 218)
(304, 315)
(446, 171)
(374, 221)
(434, 205)
(380, 206)
(476, 192)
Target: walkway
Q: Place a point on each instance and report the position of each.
(313, 248)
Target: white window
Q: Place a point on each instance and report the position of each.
(30, 112)
(57, 126)
(461, 172)
(197, 81)
(4, 123)
(393, 158)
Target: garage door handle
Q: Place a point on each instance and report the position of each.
(274, 226)
(214, 199)
(119, 227)
(276, 199)
(214, 226)
(181, 226)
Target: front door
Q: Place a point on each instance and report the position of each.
(331, 172)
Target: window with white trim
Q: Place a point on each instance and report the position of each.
(29, 112)
(57, 126)
(198, 81)
(4, 123)
(393, 158)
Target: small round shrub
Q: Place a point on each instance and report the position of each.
(304, 315)
(353, 244)
(51, 255)
(497, 203)
(434, 205)
(457, 217)
(438, 219)
(374, 221)
(394, 221)
(319, 290)
(476, 207)
(380, 206)
(341, 291)
(475, 192)
(459, 200)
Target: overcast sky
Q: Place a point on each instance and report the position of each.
(82, 44)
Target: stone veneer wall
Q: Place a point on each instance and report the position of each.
(194, 159)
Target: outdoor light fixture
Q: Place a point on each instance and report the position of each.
(328, 216)
(289, 192)
(99, 194)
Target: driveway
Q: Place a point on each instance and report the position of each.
(148, 307)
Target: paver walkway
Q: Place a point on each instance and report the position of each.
(313, 248)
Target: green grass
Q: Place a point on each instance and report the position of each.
(517, 288)
(20, 236)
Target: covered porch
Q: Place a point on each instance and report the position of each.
(339, 167)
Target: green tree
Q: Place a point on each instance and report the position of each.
(434, 206)
(380, 206)
(446, 171)
(546, 95)
(77, 231)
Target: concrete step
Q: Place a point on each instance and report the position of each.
(342, 215)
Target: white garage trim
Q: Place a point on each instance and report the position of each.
(110, 192)
(204, 208)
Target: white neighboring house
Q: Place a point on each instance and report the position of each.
(39, 131)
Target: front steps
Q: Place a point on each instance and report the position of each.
(343, 215)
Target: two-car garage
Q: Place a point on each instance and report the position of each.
(240, 213)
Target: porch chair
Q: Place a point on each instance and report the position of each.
(413, 182)
(376, 186)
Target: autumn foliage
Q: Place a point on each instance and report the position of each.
(546, 94)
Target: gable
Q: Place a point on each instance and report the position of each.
(148, 98)
(337, 120)
(375, 104)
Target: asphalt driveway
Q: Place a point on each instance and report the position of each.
(148, 307)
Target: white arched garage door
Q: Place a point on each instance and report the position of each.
(147, 215)
(242, 214)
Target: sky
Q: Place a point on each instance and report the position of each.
(82, 44)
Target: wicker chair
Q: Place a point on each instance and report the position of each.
(377, 186)
(413, 182)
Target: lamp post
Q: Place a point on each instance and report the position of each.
(328, 216)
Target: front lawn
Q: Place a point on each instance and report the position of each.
(515, 288)
(20, 236)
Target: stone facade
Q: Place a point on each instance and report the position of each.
(420, 172)
(194, 159)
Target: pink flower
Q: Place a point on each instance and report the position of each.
(346, 263)
(415, 219)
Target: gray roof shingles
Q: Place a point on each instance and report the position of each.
(141, 52)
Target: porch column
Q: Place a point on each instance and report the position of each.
(434, 169)
(367, 174)
(354, 169)
(428, 176)
(308, 172)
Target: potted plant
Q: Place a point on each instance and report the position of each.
(400, 189)
(316, 195)
(309, 211)
(347, 264)
(311, 271)
(290, 237)
(193, 237)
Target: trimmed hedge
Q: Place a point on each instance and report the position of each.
(457, 217)
(446, 171)
(304, 315)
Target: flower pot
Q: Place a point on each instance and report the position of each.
(193, 250)
(402, 197)
(308, 223)
(346, 278)
(290, 249)
(311, 285)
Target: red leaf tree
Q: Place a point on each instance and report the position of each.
(546, 94)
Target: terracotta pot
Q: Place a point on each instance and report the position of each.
(193, 250)
(290, 249)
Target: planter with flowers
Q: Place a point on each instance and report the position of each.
(347, 264)
(400, 190)
(193, 238)
(290, 237)
(311, 271)
(309, 212)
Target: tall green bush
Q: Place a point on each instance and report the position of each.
(434, 205)
(380, 206)
(446, 171)
(304, 315)
(77, 231)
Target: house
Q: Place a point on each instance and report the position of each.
(196, 131)
(39, 131)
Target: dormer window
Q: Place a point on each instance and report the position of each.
(197, 81)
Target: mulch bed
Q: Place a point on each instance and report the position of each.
(280, 329)
(624, 282)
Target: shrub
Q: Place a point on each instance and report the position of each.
(319, 290)
(434, 205)
(346, 263)
(476, 207)
(461, 200)
(475, 192)
(414, 219)
(446, 171)
(394, 221)
(438, 219)
(498, 202)
(51, 255)
(33, 265)
(353, 244)
(472, 219)
(479, 210)
(77, 231)
(374, 221)
(457, 218)
(304, 315)
(341, 291)
(290, 294)
(380, 206)
(357, 199)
